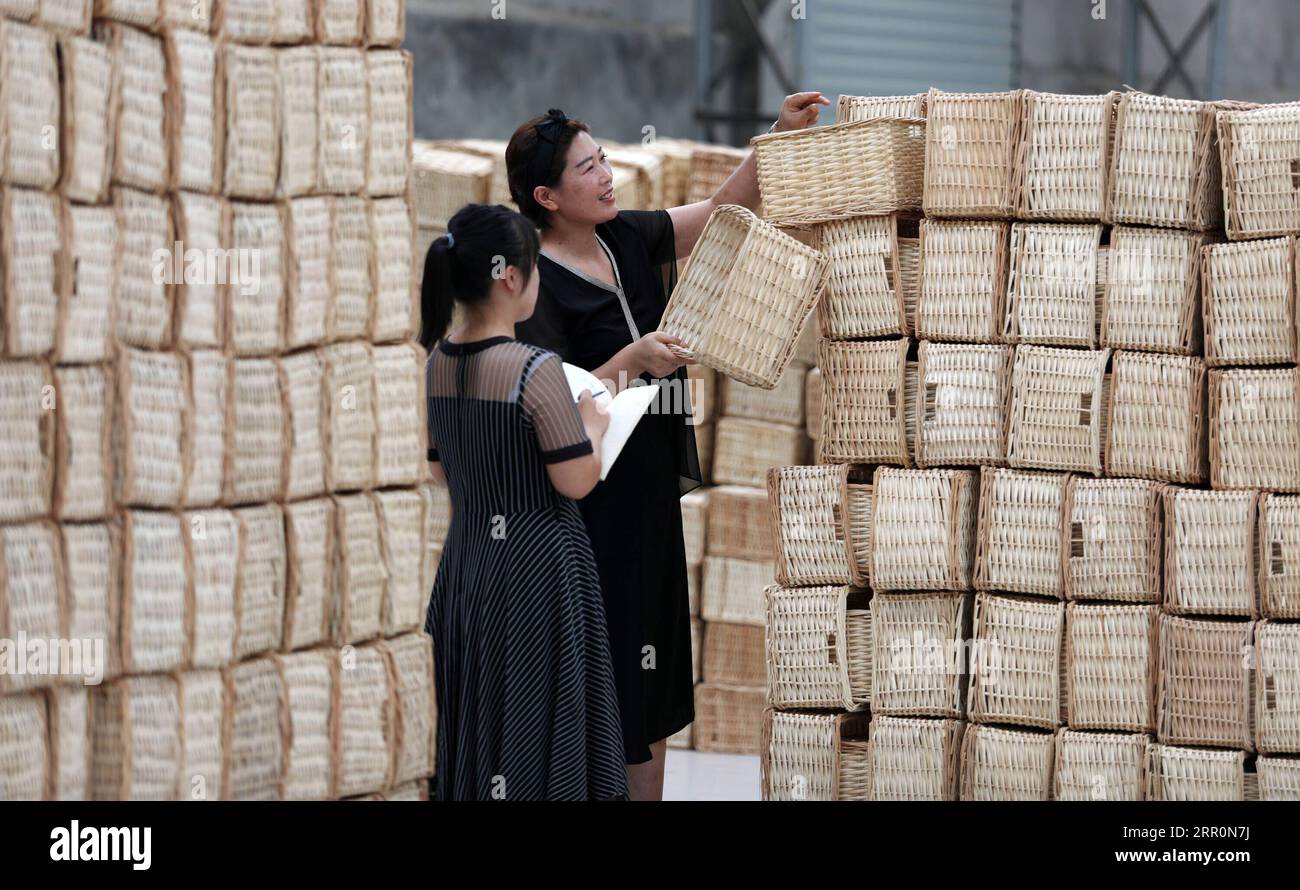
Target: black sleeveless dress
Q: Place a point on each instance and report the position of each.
(634, 516)
(527, 708)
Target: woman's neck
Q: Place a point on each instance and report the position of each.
(570, 239)
(480, 324)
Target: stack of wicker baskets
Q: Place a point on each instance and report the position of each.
(213, 461)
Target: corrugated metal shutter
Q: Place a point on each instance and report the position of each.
(886, 47)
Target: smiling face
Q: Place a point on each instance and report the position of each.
(585, 192)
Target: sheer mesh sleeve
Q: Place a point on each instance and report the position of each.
(428, 406)
(549, 404)
(656, 230)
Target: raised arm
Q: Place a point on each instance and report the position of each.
(798, 111)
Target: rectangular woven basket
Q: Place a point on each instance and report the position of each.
(33, 271)
(88, 308)
(868, 397)
(202, 223)
(1156, 418)
(710, 166)
(745, 296)
(1112, 540)
(746, 449)
(343, 118)
(1278, 541)
(401, 515)
(1063, 157)
(1254, 429)
(1058, 409)
(1112, 666)
(214, 553)
(814, 756)
(1018, 539)
(695, 514)
(964, 394)
(140, 120)
(195, 110)
(69, 743)
(922, 529)
(820, 174)
(258, 433)
(1277, 695)
(410, 665)
(359, 575)
(911, 758)
(970, 153)
(365, 729)
(149, 428)
(400, 428)
(809, 518)
(1153, 291)
(255, 319)
(298, 75)
(204, 745)
(865, 293)
(1100, 765)
(733, 590)
(782, 404)
(389, 79)
(209, 374)
(34, 604)
(310, 680)
(1006, 764)
(260, 625)
(89, 118)
(307, 267)
(1016, 668)
(1278, 778)
(29, 68)
(443, 181)
(1210, 552)
(738, 522)
(27, 442)
(918, 660)
(1248, 302)
(1259, 149)
(137, 739)
(354, 298)
(864, 108)
(730, 654)
(260, 732)
(309, 528)
(729, 718)
(1055, 284)
(396, 302)
(819, 647)
(84, 449)
(350, 419)
(1206, 690)
(1179, 774)
(962, 275)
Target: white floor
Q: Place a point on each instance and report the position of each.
(699, 775)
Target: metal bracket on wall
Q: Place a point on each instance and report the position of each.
(1213, 16)
(738, 26)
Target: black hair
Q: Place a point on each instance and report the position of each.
(484, 238)
(522, 162)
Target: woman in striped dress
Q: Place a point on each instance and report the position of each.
(527, 708)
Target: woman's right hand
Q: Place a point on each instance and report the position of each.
(593, 418)
(652, 354)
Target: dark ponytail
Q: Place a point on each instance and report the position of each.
(460, 266)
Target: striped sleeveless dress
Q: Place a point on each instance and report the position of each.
(527, 708)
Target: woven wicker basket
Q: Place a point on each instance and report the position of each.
(744, 297)
(1113, 540)
(144, 310)
(89, 118)
(1210, 552)
(1058, 409)
(214, 557)
(307, 267)
(209, 374)
(386, 23)
(247, 21)
(855, 509)
(1153, 291)
(922, 529)
(1100, 766)
(202, 223)
(309, 680)
(970, 153)
(647, 174)
(1164, 167)
(914, 758)
(301, 378)
(344, 119)
(864, 295)
(1156, 418)
(389, 75)
(918, 659)
(309, 528)
(65, 17)
(31, 577)
(1185, 774)
(1052, 292)
(868, 399)
(69, 743)
(1278, 542)
(704, 393)
(83, 482)
(396, 302)
(1279, 778)
(1248, 302)
(299, 75)
(965, 394)
(962, 274)
(183, 14)
(1255, 429)
(350, 421)
(819, 647)
(204, 746)
(258, 431)
(140, 159)
(704, 436)
(1016, 666)
(809, 523)
(137, 742)
(1277, 690)
(812, 400)
(27, 443)
(359, 575)
(709, 167)
(33, 268)
(1112, 654)
(1018, 539)
(1006, 764)
(731, 654)
(782, 404)
(260, 732)
(732, 590)
(293, 21)
(410, 664)
(262, 567)
(340, 22)
(255, 319)
(850, 109)
(1206, 689)
(92, 572)
(675, 159)
(443, 181)
(695, 512)
(747, 449)
(155, 612)
(353, 303)
(1062, 160)
(826, 173)
(739, 524)
(24, 747)
(729, 718)
(401, 515)
(400, 429)
(1259, 150)
(29, 105)
(814, 756)
(195, 113)
(909, 272)
(149, 448)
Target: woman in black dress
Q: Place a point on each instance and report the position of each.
(605, 279)
(527, 707)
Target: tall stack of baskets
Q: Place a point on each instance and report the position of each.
(213, 459)
(1073, 432)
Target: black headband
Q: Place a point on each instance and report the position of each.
(548, 138)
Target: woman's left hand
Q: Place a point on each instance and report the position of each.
(800, 110)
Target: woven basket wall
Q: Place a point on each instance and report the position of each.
(970, 153)
(922, 529)
(1254, 429)
(814, 756)
(1016, 666)
(918, 658)
(1063, 157)
(1018, 539)
(819, 647)
(1006, 764)
(914, 758)
(1259, 149)
(1248, 302)
(1100, 766)
(1111, 666)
